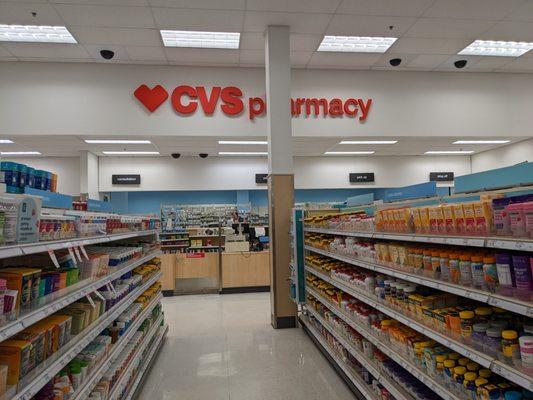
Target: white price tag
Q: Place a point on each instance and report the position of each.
(98, 294)
(53, 258)
(529, 312)
(78, 255)
(91, 302)
(111, 287)
(84, 252)
(71, 253)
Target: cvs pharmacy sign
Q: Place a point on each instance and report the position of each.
(231, 101)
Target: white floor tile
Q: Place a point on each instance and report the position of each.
(223, 348)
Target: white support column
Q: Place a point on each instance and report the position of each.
(281, 176)
(89, 175)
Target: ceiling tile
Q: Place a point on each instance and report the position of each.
(251, 65)
(252, 57)
(199, 20)
(412, 45)
(4, 52)
(56, 59)
(252, 41)
(311, 6)
(474, 9)
(448, 28)
(428, 61)
(299, 22)
(94, 51)
(507, 30)
(117, 36)
(518, 65)
(8, 58)
(146, 53)
(103, 2)
(356, 60)
(103, 16)
(204, 64)
(522, 13)
(177, 55)
(209, 4)
(47, 50)
(486, 62)
(21, 13)
(403, 8)
(301, 42)
(357, 25)
(300, 58)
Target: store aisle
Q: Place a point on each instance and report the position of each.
(223, 347)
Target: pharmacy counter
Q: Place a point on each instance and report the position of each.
(245, 271)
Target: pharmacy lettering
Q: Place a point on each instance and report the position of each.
(186, 100)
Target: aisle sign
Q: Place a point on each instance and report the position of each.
(126, 179)
(362, 177)
(441, 176)
(196, 255)
(261, 178)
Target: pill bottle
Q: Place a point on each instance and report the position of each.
(445, 266)
(454, 268)
(465, 277)
(526, 351)
(467, 322)
(470, 385)
(490, 275)
(478, 279)
(483, 314)
(510, 346)
(504, 268)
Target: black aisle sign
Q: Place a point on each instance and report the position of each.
(359, 177)
(126, 179)
(261, 178)
(441, 176)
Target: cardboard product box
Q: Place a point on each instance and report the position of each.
(79, 317)
(59, 279)
(3, 379)
(51, 335)
(37, 338)
(64, 324)
(21, 281)
(16, 354)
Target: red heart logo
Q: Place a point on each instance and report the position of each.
(151, 98)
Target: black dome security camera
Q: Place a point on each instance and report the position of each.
(395, 61)
(203, 155)
(176, 155)
(460, 64)
(107, 54)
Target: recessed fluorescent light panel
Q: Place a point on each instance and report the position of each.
(35, 33)
(481, 141)
(243, 153)
(130, 153)
(113, 141)
(20, 153)
(347, 153)
(5, 141)
(242, 142)
(449, 152)
(368, 142)
(496, 48)
(356, 44)
(202, 40)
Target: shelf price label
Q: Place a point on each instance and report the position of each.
(82, 248)
(53, 258)
(78, 255)
(71, 253)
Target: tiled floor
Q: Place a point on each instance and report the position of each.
(223, 348)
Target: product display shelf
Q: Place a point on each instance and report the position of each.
(84, 391)
(42, 247)
(387, 349)
(508, 303)
(114, 394)
(384, 379)
(504, 243)
(357, 381)
(514, 374)
(43, 373)
(154, 350)
(52, 303)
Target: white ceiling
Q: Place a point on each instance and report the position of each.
(430, 32)
(69, 146)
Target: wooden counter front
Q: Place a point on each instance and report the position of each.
(245, 269)
(196, 265)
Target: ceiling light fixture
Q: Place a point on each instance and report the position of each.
(116, 141)
(496, 48)
(35, 33)
(20, 153)
(347, 153)
(243, 153)
(368, 142)
(242, 142)
(5, 141)
(130, 153)
(481, 141)
(449, 152)
(203, 40)
(356, 44)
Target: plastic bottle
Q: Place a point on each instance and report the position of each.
(470, 385)
(478, 279)
(513, 395)
(445, 266)
(522, 273)
(510, 346)
(465, 269)
(454, 268)
(490, 274)
(504, 268)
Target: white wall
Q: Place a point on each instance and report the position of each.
(97, 99)
(220, 173)
(66, 168)
(503, 157)
(89, 175)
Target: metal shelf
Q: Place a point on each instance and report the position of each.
(42, 247)
(43, 373)
(117, 348)
(55, 301)
(456, 344)
(422, 376)
(365, 389)
(508, 303)
(506, 243)
(153, 351)
(385, 380)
